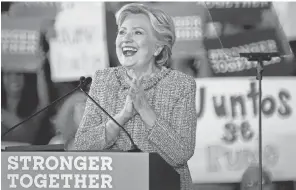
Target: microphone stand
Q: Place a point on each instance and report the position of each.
(41, 110)
(134, 147)
(260, 57)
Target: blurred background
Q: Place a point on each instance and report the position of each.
(47, 46)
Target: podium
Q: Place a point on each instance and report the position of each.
(108, 170)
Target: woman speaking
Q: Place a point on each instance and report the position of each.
(155, 104)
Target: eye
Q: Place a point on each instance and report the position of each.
(138, 33)
(121, 32)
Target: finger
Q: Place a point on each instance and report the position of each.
(139, 81)
(142, 78)
(134, 87)
(129, 103)
(129, 81)
(132, 73)
(132, 94)
(130, 106)
(132, 83)
(127, 74)
(128, 98)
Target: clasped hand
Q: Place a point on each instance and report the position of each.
(137, 103)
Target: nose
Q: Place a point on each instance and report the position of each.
(128, 37)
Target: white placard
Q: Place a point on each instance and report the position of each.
(80, 46)
(228, 107)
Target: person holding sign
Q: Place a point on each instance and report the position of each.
(154, 103)
(22, 95)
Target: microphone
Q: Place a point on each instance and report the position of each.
(82, 81)
(134, 147)
(86, 81)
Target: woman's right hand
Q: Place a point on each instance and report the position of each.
(128, 110)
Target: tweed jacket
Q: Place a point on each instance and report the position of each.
(172, 96)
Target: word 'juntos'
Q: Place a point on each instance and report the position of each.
(76, 181)
(224, 158)
(235, 106)
(80, 163)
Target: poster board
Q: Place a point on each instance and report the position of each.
(20, 44)
(227, 128)
(79, 47)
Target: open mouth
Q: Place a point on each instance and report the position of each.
(129, 51)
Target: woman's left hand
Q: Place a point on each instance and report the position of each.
(137, 95)
(140, 101)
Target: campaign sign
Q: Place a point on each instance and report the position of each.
(189, 20)
(80, 46)
(20, 44)
(37, 9)
(244, 12)
(224, 54)
(74, 170)
(228, 128)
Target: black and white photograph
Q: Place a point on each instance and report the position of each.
(148, 95)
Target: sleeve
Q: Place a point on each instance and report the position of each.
(91, 132)
(175, 140)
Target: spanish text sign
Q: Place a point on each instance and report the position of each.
(74, 170)
(228, 129)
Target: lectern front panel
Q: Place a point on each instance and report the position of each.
(75, 170)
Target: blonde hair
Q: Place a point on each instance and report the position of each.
(162, 24)
(64, 123)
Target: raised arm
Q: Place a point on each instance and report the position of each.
(42, 88)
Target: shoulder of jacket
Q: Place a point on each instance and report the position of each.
(182, 79)
(104, 74)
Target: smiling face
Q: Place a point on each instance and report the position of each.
(135, 42)
(13, 83)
